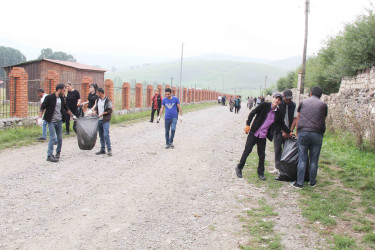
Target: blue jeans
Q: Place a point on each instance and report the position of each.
(103, 129)
(170, 124)
(44, 130)
(55, 130)
(309, 144)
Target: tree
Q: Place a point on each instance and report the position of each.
(9, 56)
(58, 55)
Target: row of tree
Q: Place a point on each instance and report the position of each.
(351, 50)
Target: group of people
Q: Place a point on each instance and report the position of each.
(276, 121)
(235, 103)
(60, 106)
(221, 100)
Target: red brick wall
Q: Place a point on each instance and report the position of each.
(160, 87)
(109, 91)
(51, 79)
(86, 81)
(174, 91)
(184, 99)
(138, 95)
(125, 95)
(18, 92)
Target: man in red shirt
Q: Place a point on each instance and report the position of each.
(156, 104)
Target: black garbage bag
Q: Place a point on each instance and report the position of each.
(79, 113)
(289, 162)
(87, 131)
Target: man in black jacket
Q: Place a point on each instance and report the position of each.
(104, 110)
(267, 115)
(54, 105)
(156, 104)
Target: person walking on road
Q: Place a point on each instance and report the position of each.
(170, 104)
(104, 110)
(54, 106)
(311, 126)
(156, 104)
(231, 104)
(237, 104)
(267, 115)
(42, 96)
(73, 99)
(288, 110)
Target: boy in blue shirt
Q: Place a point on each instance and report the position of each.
(170, 104)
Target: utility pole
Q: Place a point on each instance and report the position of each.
(307, 10)
(182, 56)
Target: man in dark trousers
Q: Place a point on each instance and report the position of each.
(54, 105)
(156, 104)
(311, 126)
(267, 115)
(104, 110)
(288, 110)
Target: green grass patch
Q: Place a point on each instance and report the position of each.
(369, 238)
(343, 242)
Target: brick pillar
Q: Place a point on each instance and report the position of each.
(109, 91)
(160, 88)
(85, 83)
(51, 79)
(184, 95)
(150, 89)
(174, 91)
(18, 92)
(125, 95)
(138, 95)
(167, 86)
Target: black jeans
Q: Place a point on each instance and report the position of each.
(236, 109)
(153, 113)
(261, 148)
(278, 145)
(67, 119)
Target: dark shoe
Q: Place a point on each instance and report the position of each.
(101, 152)
(57, 156)
(157, 121)
(51, 158)
(261, 177)
(295, 185)
(238, 172)
(167, 146)
(312, 185)
(109, 153)
(172, 146)
(151, 121)
(66, 133)
(41, 139)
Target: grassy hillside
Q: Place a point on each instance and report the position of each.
(241, 77)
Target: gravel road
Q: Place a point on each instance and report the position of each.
(142, 197)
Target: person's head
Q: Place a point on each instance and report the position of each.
(93, 88)
(69, 86)
(156, 91)
(40, 92)
(60, 89)
(316, 91)
(277, 99)
(101, 93)
(168, 93)
(288, 96)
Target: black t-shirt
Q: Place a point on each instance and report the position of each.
(92, 98)
(72, 99)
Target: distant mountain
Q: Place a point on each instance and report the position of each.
(291, 63)
(244, 78)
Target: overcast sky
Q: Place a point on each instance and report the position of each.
(267, 29)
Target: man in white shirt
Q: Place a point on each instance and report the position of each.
(104, 110)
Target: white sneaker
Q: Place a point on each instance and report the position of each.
(275, 171)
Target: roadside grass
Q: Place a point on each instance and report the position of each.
(23, 136)
(342, 205)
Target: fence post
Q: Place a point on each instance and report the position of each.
(86, 81)
(51, 79)
(18, 92)
(160, 88)
(138, 95)
(125, 95)
(109, 91)
(150, 89)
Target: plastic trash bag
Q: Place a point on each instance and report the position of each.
(87, 131)
(289, 162)
(78, 114)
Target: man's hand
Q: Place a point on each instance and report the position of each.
(158, 119)
(39, 121)
(284, 134)
(181, 118)
(247, 129)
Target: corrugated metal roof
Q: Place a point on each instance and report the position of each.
(75, 65)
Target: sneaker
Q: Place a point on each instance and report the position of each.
(51, 158)
(57, 156)
(172, 146)
(261, 176)
(295, 185)
(41, 139)
(238, 172)
(109, 153)
(312, 185)
(275, 171)
(167, 146)
(101, 152)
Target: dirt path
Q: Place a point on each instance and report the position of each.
(144, 196)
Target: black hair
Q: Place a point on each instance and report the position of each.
(316, 91)
(95, 86)
(41, 90)
(168, 90)
(60, 86)
(101, 90)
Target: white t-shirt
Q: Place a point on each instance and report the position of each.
(101, 107)
(42, 99)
